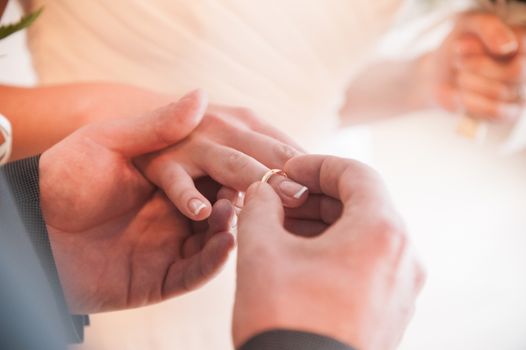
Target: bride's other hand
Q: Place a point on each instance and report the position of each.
(234, 148)
(481, 69)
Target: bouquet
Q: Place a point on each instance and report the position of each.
(24, 22)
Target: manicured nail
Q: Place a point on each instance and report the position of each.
(233, 222)
(196, 205)
(508, 47)
(240, 199)
(292, 189)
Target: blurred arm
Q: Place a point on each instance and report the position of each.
(477, 69)
(387, 89)
(42, 116)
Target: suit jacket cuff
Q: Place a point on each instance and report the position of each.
(23, 178)
(282, 339)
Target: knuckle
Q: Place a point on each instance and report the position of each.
(248, 116)
(237, 162)
(162, 133)
(216, 120)
(390, 237)
(357, 170)
(220, 127)
(284, 152)
(168, 178)
(182, 195)
(245, 112)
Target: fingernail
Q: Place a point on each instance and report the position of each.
(240, 199)
(292, 189)
(196, 206)
(233, 223)
(507, 45)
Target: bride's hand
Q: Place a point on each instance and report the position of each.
(480, 69)
(231, 146)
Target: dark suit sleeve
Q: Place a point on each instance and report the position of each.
(282, 339)
(23, 179)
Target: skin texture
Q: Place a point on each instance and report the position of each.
(247, 145)
(354, 276)
(478, 70)
(62, 109)
(115, 196)
(234, 148)
(117, 240)
(42, 116)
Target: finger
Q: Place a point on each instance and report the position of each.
(160, 129)
(193, 272)
(257, 124)
(481, 107)
(202, 260)
(509, 71)
(305, 228)
(497, 37)
(492, 89)
(278, 135)
(179, 187)
(318, 207)
(220, 220)
(469, 45)
(356, 185)
(267, 150)
(261, 220)
(235, 169)
(235, 197)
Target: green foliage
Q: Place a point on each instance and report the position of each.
(24, 22)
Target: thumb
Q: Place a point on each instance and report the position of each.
(159, 129)
(496, 36)
(261, 217)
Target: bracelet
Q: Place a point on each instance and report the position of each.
(5, 147)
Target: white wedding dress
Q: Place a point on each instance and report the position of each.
(290, 60)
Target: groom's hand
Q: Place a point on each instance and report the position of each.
(117, 240)
(344, 268)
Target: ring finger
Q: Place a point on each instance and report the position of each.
(237, 170)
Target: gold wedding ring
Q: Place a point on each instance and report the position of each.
(271, 173)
